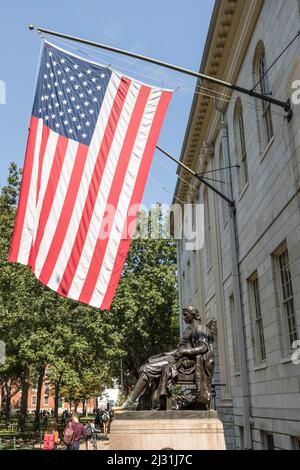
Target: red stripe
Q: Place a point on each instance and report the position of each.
(137, 197)
(91, 198)
(45, 135)
(115, 191)
(65, 215)
(55, 172)
(26, 180)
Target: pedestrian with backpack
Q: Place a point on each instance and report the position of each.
(73, 432)
(51, 438)
(89, 430)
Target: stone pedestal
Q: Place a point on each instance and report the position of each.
(157, 430)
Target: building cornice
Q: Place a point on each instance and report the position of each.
(230, 31)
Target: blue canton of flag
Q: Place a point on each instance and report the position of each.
(69, 94)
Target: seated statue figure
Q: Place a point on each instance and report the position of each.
(194, 355)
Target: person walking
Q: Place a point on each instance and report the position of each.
(73, 432)
(51, 437)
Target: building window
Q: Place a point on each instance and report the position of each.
(262, 82)
(258, 321)
(46, 400)
(235, 344)
(286, 297)
(242, 440)
(223, 188)
(296, 443)
(241, 144)
(207, 229)
(268, 441)
(33, 400)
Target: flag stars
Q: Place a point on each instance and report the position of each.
(85, 83)
(76, 87)
(70, 131)
(98, 87)
(102, 75)
(66, 122)
(89, 71)
(57, 125)
(94, 79)
(84, 136)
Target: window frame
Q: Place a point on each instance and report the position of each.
(241, 147)
(257, 318)
(284, 314)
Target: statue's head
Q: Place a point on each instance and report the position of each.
(193, 311)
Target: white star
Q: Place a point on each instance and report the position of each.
(89, 71)
(80, 75)
(56, 84)
(87, 123)
(94, 79)
(59, 72)
(86, 103)
(45, 76)
(68, 90)
(51, 75)
(82, 115)
(50, 106)
(90, 92)
(63, 81)
(66, 122)
(48, 65)
(103, 75)
(46, 97)
(72, 78)
(91, 111)
(73, 98)
(76, 87)
(70, 131)
(77, 106)
(62, 61)
(81, 95)
(49, 86)
(53, 116)
(95, 99)
(55, 64)
(98, 87)
(69, 110)
(64, 101)
(74, 118)
(61, 113)
(57, 124)
(57, 105)
(84, 136)
(42, 98)
(85, 83)
(60, 93)
(76, 66)
(46, 118)
(50, 54)
(40, 110)
(52, 95)
(79, 128)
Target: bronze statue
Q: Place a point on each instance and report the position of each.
(193, 357)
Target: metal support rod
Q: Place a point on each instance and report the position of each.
(196, 175)
(286, 105)
(236, 281)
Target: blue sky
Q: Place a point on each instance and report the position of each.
(173, 31)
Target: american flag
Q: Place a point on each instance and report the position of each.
(92, 136)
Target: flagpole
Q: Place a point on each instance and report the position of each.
(286, 105)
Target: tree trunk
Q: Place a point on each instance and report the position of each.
(38, 399)
(24, 400)
(83, 408)
(56, 400)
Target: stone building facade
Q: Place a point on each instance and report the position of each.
(244, 39)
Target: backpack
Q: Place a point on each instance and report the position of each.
(88, 431)
(49, 443)
(68, 435)
(105, 417)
